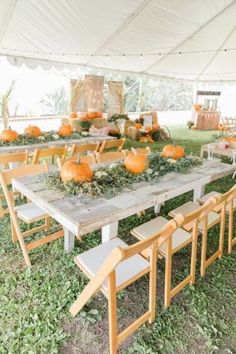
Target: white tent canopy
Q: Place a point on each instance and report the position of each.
(174, 38)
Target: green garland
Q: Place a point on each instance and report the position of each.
(44, 138)
(110, 181)
(117, 116)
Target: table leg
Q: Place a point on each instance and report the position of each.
(198, 192)
(109, 231)
(69, 240)
(157, 208)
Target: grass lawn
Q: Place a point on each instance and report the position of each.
(34, 303)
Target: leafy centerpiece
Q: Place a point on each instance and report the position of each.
(110, 180)
(33, 135)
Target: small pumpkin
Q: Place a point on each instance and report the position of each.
(148, 129)
(76, 172)
(65, 130)
(8, 135)
(138, 125)
(91, 115)
(136, 163)
(173, 151)
(32, 131)
(197, 107)
(73, 115)
(99, 114)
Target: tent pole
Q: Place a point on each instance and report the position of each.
(140, 95)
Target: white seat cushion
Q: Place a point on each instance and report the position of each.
(151, 227)
(212, 219)
(91, 260)
(203, 199)
(30, 212)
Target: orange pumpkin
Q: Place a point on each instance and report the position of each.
(136, 163)
(65, 130)
(32, 131)
(197, 107)
(76, 172)
(173, 151)
(99, 114)
(8, 135)
(91, 115)
(148, 129)
(138, 125)
(73, 115)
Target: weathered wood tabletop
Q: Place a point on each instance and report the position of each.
(81, 215)
(32, 147)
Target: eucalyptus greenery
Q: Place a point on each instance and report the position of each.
(118, 116)
(44, 138)
(111, 180)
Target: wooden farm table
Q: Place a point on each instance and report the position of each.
(79, 216)
(85, 140)
(217, 151)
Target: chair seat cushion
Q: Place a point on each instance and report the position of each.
(30, 212)
(91, 260)
(207, 196)
(212, 219)
(179, 237)
(203, 199)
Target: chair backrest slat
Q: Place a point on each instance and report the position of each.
(110, 156)
(112, 144)
(7, 158)
(49, 152)
(145, 151)
(84, 148)
(23, 170)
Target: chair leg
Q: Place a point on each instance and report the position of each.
(230, 232)
(193, 255)
(13, 233)
(47, 223)
(153, 285)
(222, 233)
(21, 242)
(204, 249)
(168, 263)
(112, 313)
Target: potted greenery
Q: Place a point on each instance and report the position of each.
(190, 123)
(85, 125)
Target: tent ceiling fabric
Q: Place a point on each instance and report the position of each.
(50, 32)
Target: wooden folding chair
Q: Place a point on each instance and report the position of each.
(90, 159)
(10, 160)
(177, 241)
(78, 150)
(51, 152)
(213, 219)
(28, 213)
(229, 199)
(110, 156)
(144, 151)
(114, 265)
(111, 144)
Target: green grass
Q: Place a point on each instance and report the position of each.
(34, 303)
